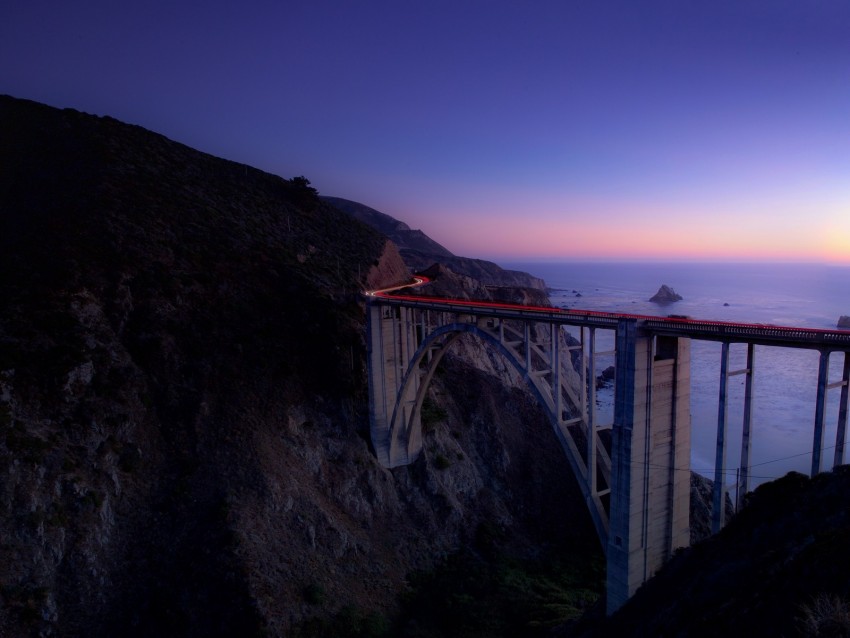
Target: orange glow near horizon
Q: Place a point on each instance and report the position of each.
(642, 232)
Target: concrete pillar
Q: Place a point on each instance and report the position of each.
(555, 360)
(841, 431)
(820, 410)
(381, 368)
(394, 423)
(744, 482)
(650, 495)
(588, 396)
(718, 509)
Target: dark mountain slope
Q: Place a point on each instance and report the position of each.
(145, 291)
(183, 414)
(420, 251)
(786, 553)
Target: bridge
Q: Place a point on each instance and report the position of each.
(634, 473)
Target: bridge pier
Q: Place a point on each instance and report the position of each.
(394, 417)
(841, 431)
(746, 427)
(820, 410)
(650, 476)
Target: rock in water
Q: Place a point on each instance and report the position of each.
(844, 321)
(665, 295)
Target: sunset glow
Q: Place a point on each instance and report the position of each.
(615, 130)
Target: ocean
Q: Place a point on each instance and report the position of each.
(785, 379)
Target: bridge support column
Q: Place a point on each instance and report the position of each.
(588, 398)
(718, 507)
(746, 428)
(393, 421)
(820, 410)
(841, 430)
(650, 495)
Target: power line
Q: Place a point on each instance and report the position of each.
(731, 471)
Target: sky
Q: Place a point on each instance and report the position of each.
(538, 130)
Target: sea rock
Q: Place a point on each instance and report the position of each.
(665, 295)
(844, 321)
(606, 379)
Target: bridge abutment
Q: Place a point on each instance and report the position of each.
(650, 475)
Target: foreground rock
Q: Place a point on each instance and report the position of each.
(183, 407)
(420, 251)
(665, 295)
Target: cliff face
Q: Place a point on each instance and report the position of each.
(183, 409)
(388, 269)
(420, 251)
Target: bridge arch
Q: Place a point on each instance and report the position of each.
(405, 428)
(640, 505)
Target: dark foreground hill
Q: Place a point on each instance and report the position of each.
(183, 417)
(780, 568)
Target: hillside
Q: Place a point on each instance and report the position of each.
(420, 251)
(781, 567)
(183, 414)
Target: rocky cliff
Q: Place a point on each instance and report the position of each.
(183, 424)
(420, 251)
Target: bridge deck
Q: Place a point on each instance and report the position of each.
(640, 507)
(705, 330)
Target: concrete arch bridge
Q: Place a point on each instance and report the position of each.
(637, 491)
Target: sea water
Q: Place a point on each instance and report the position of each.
(785, 379)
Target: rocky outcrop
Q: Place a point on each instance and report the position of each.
(399, 232)
(520, 295)
(844, 322)
(702, 502)
(486, 272)
(420, 251)
(388, 270)
(665, 295)
(606, 378)
(445, 282)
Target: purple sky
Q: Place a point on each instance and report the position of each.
(550, 130)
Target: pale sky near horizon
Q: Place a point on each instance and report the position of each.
(539, 130)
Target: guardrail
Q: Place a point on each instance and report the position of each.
(700, 329)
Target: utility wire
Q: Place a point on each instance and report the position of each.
(731, 471)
